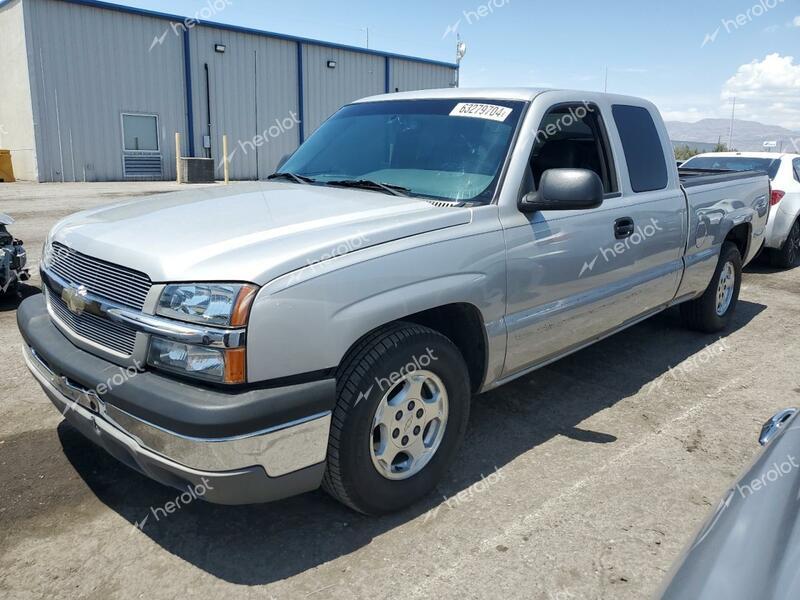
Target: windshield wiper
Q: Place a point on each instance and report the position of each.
(293, 176)
(366, 184)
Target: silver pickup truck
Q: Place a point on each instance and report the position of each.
(329, 327)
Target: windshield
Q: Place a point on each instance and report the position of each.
(444, 149)
(769, 166)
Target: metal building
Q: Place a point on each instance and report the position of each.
(91, 91)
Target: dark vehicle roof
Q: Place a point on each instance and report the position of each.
(717, 162)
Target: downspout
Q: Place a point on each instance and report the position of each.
(187, 73)
(208, 108)
(300, 94)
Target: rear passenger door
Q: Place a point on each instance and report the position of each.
(574, 276)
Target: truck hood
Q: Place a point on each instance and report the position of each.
(247, 232)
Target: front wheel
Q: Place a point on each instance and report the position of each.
(402, 406)
(787, 256)
(713, 311)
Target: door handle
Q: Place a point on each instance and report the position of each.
(624, 228)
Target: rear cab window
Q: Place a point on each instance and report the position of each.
(644, 153)
(796, 164)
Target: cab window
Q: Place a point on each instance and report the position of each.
(641, 143)
(572, 136)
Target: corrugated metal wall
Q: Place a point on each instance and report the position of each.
(254, 99)
(89, 65)
(406, 75)
(326, 90)
(92, 65)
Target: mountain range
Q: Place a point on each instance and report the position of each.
(747, 135)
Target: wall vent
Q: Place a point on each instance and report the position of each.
(138, 166)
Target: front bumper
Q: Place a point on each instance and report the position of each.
(280, 454)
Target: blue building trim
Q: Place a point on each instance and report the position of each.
(187, 73)
(387, 84)
(301, 101)
(235, 28)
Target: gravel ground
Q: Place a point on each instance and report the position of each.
(583, 480)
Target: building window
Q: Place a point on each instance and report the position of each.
(140, 133)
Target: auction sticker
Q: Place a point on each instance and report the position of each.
(492, 112)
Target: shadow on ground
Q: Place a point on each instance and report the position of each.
(12, 300)
(262, 544)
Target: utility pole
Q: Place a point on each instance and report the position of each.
(366, 29)
(733, 116)
(461, 51)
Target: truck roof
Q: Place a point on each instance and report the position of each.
(511, 93)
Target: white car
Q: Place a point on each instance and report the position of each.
(783, 230)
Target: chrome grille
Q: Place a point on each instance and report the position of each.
(121, 285)
(116, 337)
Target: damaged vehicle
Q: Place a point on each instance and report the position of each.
(12, 259)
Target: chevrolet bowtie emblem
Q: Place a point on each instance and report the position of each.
(75, 299)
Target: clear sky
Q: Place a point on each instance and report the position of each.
(651, 49)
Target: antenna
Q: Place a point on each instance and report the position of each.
(461, 51)
(605, 87)
(733, 116)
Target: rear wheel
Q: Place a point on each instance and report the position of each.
(788, 255)
(712, 312)
(401, 414)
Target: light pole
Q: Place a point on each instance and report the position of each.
(733, 116)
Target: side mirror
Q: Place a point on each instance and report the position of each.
(282, 161)
(565, 189)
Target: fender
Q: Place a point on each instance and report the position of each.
(306, 321)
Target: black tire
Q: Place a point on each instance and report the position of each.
(350, 476)
(789, 254)
(701, 314)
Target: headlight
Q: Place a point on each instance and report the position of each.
(214, 304)
(217, 306)
(201, 362)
